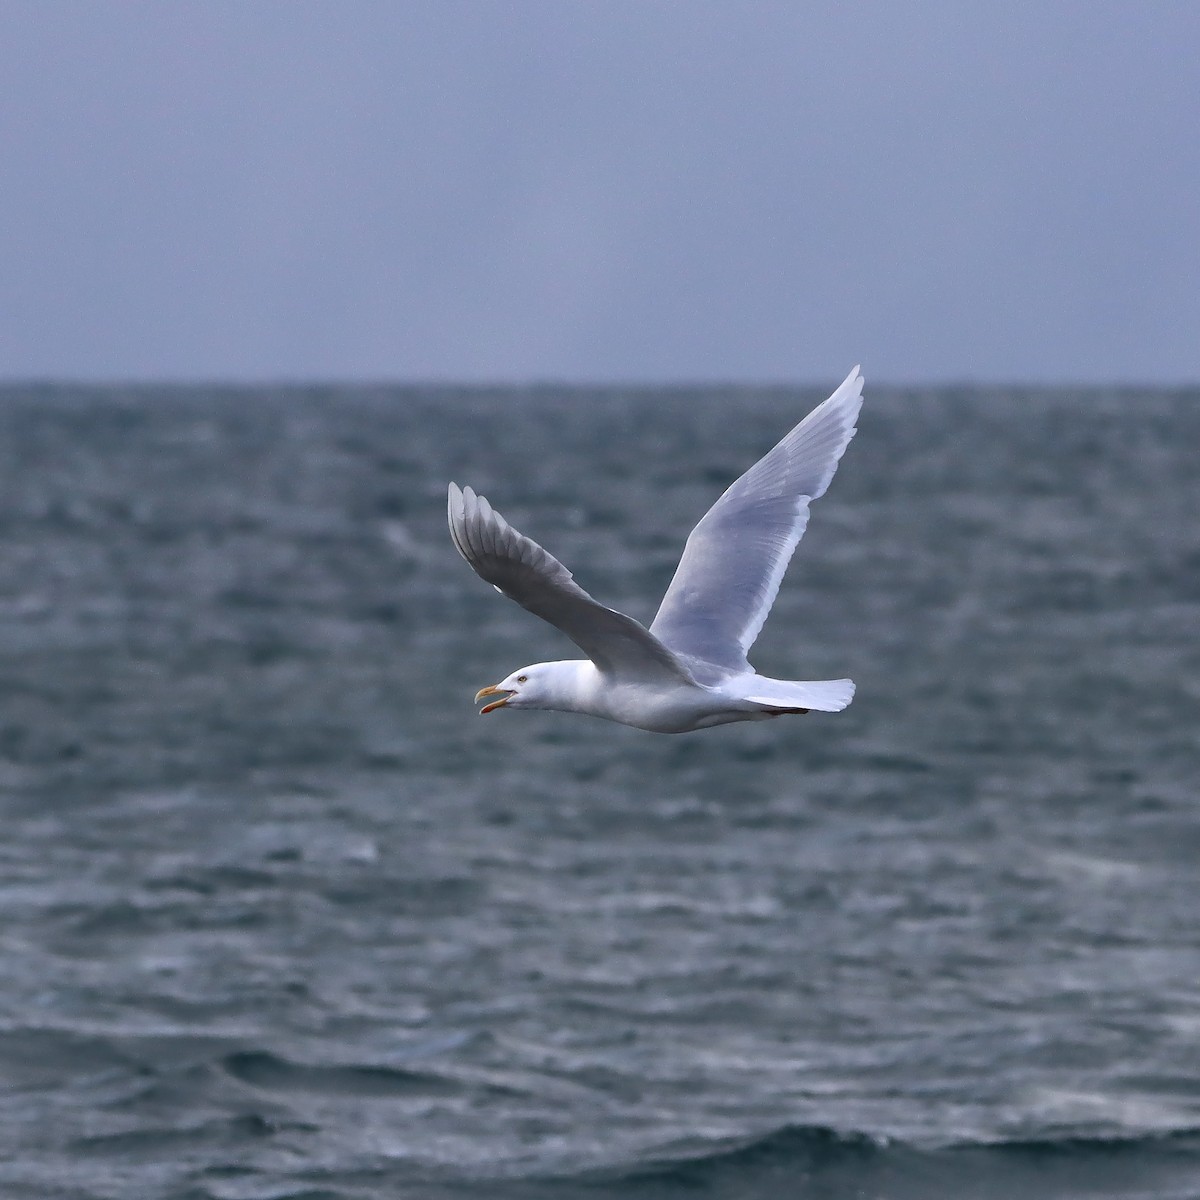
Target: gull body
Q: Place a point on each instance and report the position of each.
(577, 685)
(689, 670)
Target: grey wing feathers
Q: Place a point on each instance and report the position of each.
(736, 556)
(520, 569)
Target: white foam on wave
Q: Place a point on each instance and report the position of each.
(1131, 1113)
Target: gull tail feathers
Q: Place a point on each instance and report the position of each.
(823, 695)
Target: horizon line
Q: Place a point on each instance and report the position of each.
(535, 383)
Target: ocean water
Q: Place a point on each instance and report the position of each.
(282, 917)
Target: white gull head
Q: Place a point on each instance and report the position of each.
(551, 685)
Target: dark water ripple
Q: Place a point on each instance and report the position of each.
(284, 918)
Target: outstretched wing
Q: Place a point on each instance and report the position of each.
(520, 569)
(735, 558)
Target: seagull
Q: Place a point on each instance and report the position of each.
(689, 669)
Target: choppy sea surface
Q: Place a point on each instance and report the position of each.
(282, 917)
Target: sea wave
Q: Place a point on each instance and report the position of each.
(819, 1163)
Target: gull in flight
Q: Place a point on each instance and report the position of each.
(689, 669)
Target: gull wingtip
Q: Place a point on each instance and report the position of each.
(455, 502)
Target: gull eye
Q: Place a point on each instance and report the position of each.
(522, 678)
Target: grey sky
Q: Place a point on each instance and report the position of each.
(615, 190)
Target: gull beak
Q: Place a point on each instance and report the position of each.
(503, 693)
